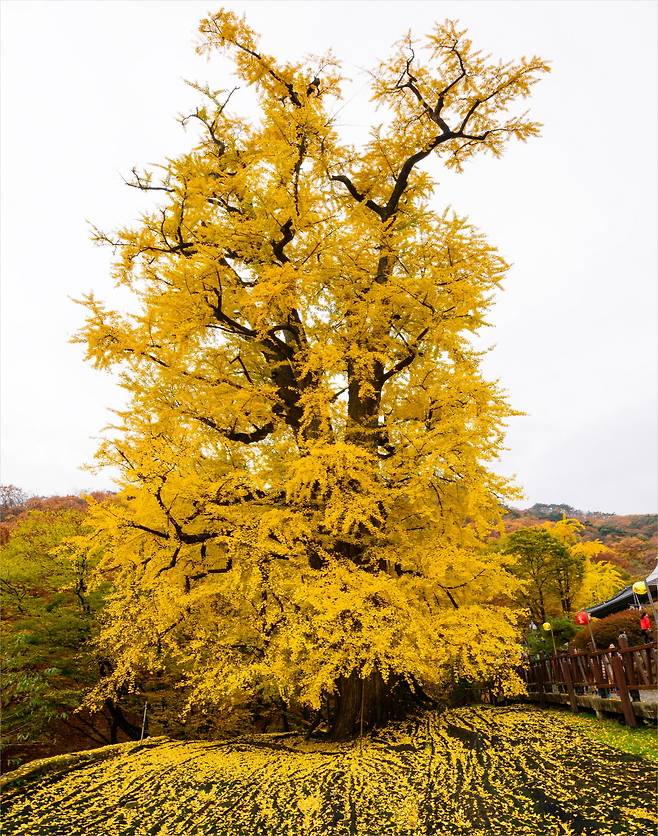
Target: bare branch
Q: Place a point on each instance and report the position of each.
(143, 182)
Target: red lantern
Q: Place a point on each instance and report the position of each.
(582, 617)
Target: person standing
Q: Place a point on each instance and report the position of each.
(645, 626)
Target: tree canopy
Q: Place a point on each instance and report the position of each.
(560, 571)
(306, 458)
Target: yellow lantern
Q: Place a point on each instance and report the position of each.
(640, 588)
(546, 626)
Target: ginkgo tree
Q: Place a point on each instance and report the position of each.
(305, 458)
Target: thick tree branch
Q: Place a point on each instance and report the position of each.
(245, 438)
(224, 570)
(406, 361)
(171, 564)
(288, 233)
(361, 198)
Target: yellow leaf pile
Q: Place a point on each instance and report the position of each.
(476, 772)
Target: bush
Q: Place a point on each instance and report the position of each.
(606, 630)
(539, 641)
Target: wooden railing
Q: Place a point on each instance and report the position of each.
(620, 673)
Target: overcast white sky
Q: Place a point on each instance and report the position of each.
(90, 89)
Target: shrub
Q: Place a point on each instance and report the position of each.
(539, 641)
(606, 630)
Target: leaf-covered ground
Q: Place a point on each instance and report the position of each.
(467, 771)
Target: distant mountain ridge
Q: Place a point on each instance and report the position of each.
(555, 511)
(633, 538)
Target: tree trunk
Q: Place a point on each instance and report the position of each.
(362, 704)
(120, 721)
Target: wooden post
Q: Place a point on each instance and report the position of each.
(566, 673)
(578, 676)
(542, 678)
(622, 687)
(629, 667)
(595, 669)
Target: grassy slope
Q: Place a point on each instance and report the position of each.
(467, 771)
(641, 741)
